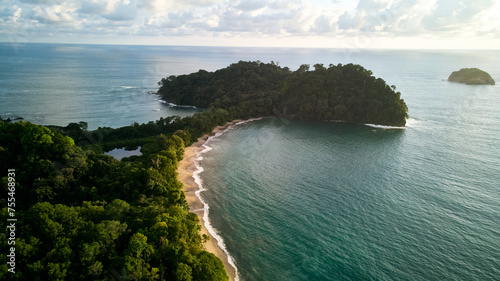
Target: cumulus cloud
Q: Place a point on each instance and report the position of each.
(323, 24)
(96, 7)
(11, 13)
(415, 17)
(284, 4)
(255, 17)
(283, 18)
(280, 18)
(122, 12)
(372, 15)
(44, 2)
(252, 5)
(163, 6)
(236, 20)
(110, 9)
(452, 15)
(54, 14)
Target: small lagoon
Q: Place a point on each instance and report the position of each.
(120, 153)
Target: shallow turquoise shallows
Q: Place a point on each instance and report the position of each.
(296, 200)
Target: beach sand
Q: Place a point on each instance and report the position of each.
(185, 170)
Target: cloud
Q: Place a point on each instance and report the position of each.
(279, 18)
(258, 17)
(96, 7)
(166, 6)
(455, 16)
(414, 17)
(122, 12)
(41, 2)
(235, 20)
(251, 18)
(110, 9)
(284, 4)
(323, 24)
(252, 5)
(370, 15)
(11, 13)
(56, 14)
(180, 21)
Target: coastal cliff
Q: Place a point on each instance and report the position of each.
(471, 76)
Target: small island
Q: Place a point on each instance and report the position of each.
(471, 76)
(246, 90)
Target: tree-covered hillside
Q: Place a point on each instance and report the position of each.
(254, 89)
(83, 215)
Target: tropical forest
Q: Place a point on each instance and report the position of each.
(83, 215)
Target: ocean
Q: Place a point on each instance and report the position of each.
(297, 200)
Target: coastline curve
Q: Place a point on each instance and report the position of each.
(189, 170)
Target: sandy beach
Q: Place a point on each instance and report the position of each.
(185, 170)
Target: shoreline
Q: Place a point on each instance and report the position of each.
(188, 170)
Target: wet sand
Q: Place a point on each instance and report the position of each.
(185, 170)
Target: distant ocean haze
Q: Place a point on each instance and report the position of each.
(298, 200)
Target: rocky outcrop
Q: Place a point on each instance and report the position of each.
(471, 76)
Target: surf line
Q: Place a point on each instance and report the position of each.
(199, 182)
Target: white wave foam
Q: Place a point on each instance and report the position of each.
(175, 105)
(129, 87)
(412, 122)
(206, 219)
(383, 126)
(199, 182)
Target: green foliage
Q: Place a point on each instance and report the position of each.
(183, 272)
(343, 92)
(209, 267)
(243, 89)
(87, 216)
(254, 89)
(137, 256)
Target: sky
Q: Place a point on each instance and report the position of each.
(365, 24)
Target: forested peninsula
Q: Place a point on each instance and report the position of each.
(255, 89)
(83, 215)
(70, 212)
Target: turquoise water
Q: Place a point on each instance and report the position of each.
(318, 201)
(303, 200)
(333, 201)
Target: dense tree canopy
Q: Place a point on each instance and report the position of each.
(86, 216)
(254, 89)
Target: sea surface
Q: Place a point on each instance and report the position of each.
(296, 200)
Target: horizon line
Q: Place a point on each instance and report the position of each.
(242, 46)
